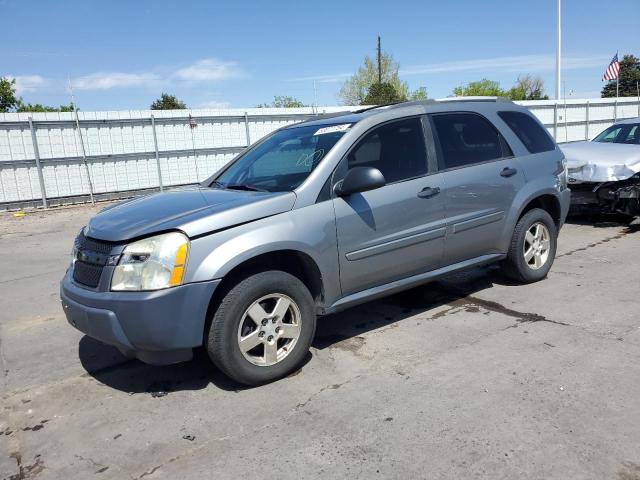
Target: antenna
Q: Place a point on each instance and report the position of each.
(379, 61)
(315, 97)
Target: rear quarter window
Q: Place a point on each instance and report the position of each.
(531, 134)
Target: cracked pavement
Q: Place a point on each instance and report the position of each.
(471, 376)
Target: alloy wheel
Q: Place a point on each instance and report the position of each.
(269, 329)
(537, 244)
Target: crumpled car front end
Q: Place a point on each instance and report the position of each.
(604, 177)
(607, 197)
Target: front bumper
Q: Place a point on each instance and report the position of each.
(159, 327)
(621, 197)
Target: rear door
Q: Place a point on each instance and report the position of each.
(481, 178)
(397, 230)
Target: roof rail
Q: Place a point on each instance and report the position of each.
(432, 101)
(386, 105)
(324, 116)
(474, 99)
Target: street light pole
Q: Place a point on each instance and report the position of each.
(558, 49)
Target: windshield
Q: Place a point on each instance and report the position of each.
(623, 133)
(283, 161)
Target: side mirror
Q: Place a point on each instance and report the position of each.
(360, 179)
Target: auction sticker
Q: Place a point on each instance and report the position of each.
(333, 129)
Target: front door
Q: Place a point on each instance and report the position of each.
(396, 230)
(481, 178)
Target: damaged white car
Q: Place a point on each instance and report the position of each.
(604, 174)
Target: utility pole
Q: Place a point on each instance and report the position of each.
(380, 61)
(558, 48)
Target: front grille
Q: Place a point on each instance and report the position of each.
(100, 246)
(87, 274)
(91, 258)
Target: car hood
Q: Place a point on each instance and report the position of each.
(601, 162)
(195, 211)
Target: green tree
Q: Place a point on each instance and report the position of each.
(36, 107)
(8, 99)
(528, 87)
(356, 88)
(283, 101)
(629, 76)
(382, 94)
(419, 94)
(168, 102)
(482, 88)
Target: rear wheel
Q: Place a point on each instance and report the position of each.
(533, 247)
(263, 328)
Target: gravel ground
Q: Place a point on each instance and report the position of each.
(469, 377)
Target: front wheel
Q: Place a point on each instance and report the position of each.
(533, 247)
(263, 328)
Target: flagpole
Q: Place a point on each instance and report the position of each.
(558, 48)
(615, 114)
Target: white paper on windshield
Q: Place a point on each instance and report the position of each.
(333, 129)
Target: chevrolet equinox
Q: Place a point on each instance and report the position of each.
(312, 219)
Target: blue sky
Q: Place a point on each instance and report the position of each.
(123, 54)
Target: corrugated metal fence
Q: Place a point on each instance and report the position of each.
(45, 159)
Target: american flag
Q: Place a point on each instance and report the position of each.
(613, 70)
(192, 122)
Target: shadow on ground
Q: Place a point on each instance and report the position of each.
(452, 290)
(602, 220)
(107, 365)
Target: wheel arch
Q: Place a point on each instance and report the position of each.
(534, 195)
(295, 262)
(547, 202)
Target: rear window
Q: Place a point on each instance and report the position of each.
(466, 139)
(534, 137)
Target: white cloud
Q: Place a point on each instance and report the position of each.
(28, 83)
(214, 104)
(108, 80)
(522, 63)
(209, 69)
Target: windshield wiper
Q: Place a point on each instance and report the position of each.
(217, 184)
(244, 186)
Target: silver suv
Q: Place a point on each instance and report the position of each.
(315, 218)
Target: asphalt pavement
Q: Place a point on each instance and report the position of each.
(469, 377)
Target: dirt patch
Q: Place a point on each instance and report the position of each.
(26, 471)
(629, 471)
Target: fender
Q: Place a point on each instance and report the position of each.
(531, 190)
(309, 230)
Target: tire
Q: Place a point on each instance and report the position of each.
(528, 270)
(233, 322)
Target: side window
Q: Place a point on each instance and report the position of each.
(397, 149)
(467, 138)
(530, 133)
(633, 136)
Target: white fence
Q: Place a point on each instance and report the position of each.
(42, 155)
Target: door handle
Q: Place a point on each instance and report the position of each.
(508, 172)
(428, 192)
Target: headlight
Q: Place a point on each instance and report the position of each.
(152, 264)
(74, 248)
